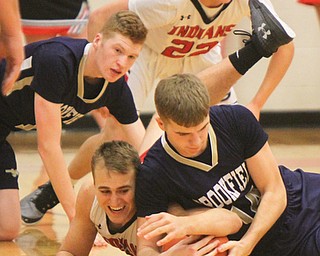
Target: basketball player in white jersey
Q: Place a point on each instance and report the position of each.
(107, 206)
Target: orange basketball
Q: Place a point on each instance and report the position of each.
(222, 240)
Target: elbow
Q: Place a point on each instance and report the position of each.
(45, 149)
(42, 149)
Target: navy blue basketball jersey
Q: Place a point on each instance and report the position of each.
(219, 178)
(216, 178)
(54, 69)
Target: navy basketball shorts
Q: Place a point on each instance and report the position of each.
(297, 232)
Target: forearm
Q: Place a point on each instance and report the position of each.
(218, 222)
(56, 167)
(272, 203)
(278, 66)
(9, 18)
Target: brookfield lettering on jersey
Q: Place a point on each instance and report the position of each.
(227, 190)
(69, 114)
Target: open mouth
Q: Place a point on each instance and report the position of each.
(116, 209)
(115, 71)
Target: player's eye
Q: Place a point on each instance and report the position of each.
(106, 192)
(123, 191)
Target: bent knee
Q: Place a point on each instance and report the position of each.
(9, 232)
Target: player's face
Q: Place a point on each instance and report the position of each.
(188, 141)
(115, 194)
(114, 56)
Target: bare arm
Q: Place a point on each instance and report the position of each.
(222, 223)
(48, 120)
(191, 245)
(265, 174)
(99, 16)
(278, 66)
(11, 44)
(81, 228)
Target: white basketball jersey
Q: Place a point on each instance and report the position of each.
(181, 28)
(125, 240)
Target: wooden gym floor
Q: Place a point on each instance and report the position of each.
(295, 147)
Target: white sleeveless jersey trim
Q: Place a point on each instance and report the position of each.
(126, 241)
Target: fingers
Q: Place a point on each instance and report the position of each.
(207, 246)
(162, 225)
(156, 224)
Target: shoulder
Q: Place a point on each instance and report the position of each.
(57, 47)
(230, 111)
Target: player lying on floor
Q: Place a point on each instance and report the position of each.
(219, 157)
(107, 206)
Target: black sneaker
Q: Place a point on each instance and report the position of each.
(269, 31)
(36, 204)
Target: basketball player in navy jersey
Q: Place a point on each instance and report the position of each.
(107, 206)
(219, 157)
(61, 80)
(218, 78)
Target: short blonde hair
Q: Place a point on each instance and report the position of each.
(128, 24)
(183, 99)
(116, 156)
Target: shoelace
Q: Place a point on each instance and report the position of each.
(241, 32)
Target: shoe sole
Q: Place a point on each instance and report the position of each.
(277, 22)
(30, 223)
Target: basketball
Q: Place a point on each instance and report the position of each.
(222, 240)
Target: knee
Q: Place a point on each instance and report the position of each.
(9, 232)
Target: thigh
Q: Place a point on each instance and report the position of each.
(141, 77)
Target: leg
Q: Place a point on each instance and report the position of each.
(9, 194)
(153, 133)
(9, 214)
(80, 165)
(225, 76)
(269, 33)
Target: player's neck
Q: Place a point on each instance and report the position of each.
(212, 3)
(90, 69)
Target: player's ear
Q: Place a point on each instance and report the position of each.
(160, 122)
(97, 39)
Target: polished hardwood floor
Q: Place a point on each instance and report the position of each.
(294, 147)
